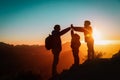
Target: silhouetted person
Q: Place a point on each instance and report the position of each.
(87, 29)
(57, 46)
(75, 44)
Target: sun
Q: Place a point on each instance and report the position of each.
(96, 35)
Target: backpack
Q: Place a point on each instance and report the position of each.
(49, 40)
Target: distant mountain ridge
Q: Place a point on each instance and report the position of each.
(20, 59)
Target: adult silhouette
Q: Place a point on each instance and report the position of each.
(87, 29)
(75, 44)
(57, 46)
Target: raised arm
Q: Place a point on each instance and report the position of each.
(72, 32)
(64, 31)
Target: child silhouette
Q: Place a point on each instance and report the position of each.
(75, 44)
(88, 31)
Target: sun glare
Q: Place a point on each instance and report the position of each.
(103, 42)
(98, 38)
(96, 35)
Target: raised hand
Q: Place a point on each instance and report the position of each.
(71, 26)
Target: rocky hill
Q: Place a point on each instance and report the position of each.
(97, 69)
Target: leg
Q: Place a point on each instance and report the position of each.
(76, 56)
(55, 62)
(90, 46)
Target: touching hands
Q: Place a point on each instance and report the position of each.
(71, 26)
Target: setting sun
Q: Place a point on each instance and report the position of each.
(98, 38)
(96, 35)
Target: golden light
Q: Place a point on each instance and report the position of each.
(96, 35)
(98, 38)
(103, 42)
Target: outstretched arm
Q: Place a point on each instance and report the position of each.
(80, 29)
(64, 31)
(89, 30)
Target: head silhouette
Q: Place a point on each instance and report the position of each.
(76, 36)
(87, 23)
(57, 27)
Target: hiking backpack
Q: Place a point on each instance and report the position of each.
(49, 40)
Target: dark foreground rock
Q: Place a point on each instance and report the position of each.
(97, 69)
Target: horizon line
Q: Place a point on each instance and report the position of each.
(102, 42)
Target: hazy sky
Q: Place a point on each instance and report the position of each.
(30, 21)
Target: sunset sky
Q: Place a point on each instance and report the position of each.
(30, 21)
